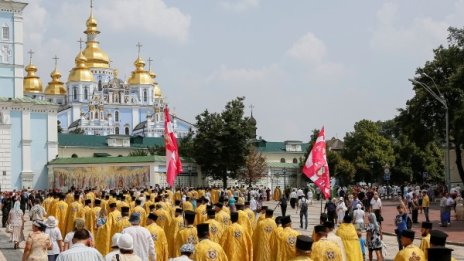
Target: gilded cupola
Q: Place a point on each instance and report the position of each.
(32, 82)
(56, 86)
(96, 57)
(80, 73)
(140, 75)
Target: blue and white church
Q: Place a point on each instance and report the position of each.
(28, 127)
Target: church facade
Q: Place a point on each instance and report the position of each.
(28, 136)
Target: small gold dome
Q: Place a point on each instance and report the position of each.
(157, 91)
(80, 73)
(140, 76)
(32, 82)
(56, 86)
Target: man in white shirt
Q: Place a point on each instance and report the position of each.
(80, 250)
(144, 247)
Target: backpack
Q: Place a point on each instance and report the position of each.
(304, 206)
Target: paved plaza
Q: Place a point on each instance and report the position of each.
(455, 231)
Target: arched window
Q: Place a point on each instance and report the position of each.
(75, 93)
(116, 130)
(5, 32)
(295, 160)
(282, 160)
(126, 130)
(116, 115)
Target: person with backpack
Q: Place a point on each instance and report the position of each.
(303, 205)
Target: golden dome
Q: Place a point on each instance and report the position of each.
(32, 82)
(96, 57)
(157, 91)
(140, 76)
(56, 86)
(80, 73)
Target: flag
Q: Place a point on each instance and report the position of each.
(173, 164)
(316, 167)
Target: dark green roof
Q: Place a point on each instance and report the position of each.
(77, 140)
(276, 147)
(105, 160)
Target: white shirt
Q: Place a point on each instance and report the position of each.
(376, 204)
(111, 254)
(253, 204)
(55, 235)
(358, 216)
(181, 258)
(144, 247)
(80, 252)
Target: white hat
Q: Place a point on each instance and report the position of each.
(51, 222)
(114, 239)
(126, 242)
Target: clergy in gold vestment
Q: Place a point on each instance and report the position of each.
(236, 241)
(409, 252)
(243, 220)
(139, 209)
(207, 250)
(425, 242)
(303, 248)
(262, 238)
(187, 235)
(216, 229)
(159, 238)
(277, 194)
(176, 225)
(347, 232)
(74, 211)
(60, 211)
(284, 243)
(323, 249)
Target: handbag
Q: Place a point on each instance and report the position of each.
(9, 228)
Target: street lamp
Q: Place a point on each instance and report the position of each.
(441, 99)
(284, 172)
(190, 175)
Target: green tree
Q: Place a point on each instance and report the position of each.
(221, 143)
(255, 167)
(423, 119)
(368, 151)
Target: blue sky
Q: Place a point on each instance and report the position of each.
(302, 64)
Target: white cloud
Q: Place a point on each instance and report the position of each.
(420, 36)
(163, 21)
(239, 5)
(309, 49)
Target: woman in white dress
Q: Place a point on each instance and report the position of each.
(341, 209)
(16, 221)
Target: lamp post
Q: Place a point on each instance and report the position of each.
(284, 172)
(441, 99)
(190, 175)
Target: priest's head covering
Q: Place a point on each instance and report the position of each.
(408, 234)
(439, 253)
(304, 243)
(189, 216)
(203, 229)
(152, 216)
(438, 238)
(234, 217)
(286, 220)
(427, 225)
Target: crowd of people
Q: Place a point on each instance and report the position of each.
(212, 224)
